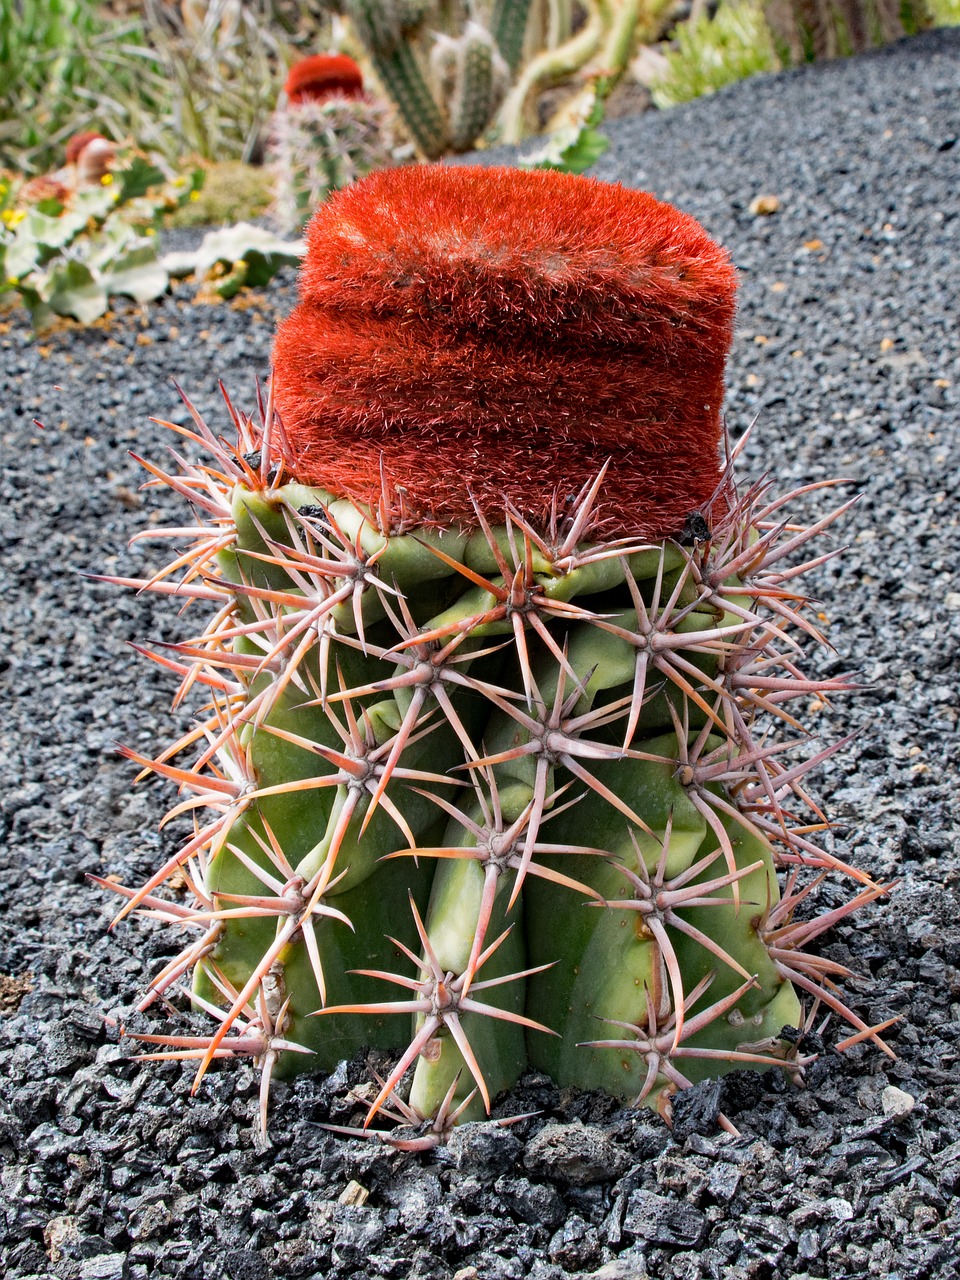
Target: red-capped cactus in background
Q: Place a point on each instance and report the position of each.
(503, 666)
(325, 133)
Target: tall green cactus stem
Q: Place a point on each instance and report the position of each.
(508, 26)
(505, 791)
(473, 78)
(383, 29)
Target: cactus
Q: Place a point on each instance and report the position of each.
(456, 71)
(319, 147)
(804, 30)
(496, 649)
(473, 78)
(384, 30)
(509, 26)
(324, 136)
(445, 83)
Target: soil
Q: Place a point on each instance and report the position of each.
(848, 349)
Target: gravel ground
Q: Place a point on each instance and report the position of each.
(846, 351)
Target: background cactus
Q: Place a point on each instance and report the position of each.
(461, 71)
(489, 766)
(807, 29)
(325, 135)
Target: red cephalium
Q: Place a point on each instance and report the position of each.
(322, 76)
(480, 334)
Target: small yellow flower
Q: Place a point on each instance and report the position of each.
(106, 180)
(12, 216)
(180, 182)
(12, 280)
(151, 231)
(194, 195)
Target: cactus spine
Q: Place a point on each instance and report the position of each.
(488, 771)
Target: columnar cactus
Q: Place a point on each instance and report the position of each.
(807, 29)
(497, 654)
(325, 135)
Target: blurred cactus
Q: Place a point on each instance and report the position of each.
(324, 136)
(495, 654)
(804, 30)
(459, 70)
(509, 27)
(473, 77)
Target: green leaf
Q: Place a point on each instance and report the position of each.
(96, 203)
(231, 284)
(138, 275)
(137, 179)
(237, 243)
(579, 155)
(114, 238)
(73, 290)
(261, 252)
(22, 256)
(578, 144)
(40, 313)
(52, 207)
(51, 233)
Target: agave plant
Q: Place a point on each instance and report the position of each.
(501, 665)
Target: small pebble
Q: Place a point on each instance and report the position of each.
(895, 1102)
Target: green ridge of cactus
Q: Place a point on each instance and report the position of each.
(353, 667)
(506, 791)
(401, 76)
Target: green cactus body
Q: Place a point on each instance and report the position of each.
(446, 86)
(473, 78)
(509, 26)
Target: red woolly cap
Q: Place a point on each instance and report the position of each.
(322, 76)
(77, 143)
(488, 334)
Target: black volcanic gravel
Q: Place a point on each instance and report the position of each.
(848, 348)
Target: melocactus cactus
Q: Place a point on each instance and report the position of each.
(496, 656)
(322, 76)
(325, 135)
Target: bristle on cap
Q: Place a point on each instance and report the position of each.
(475, 335)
